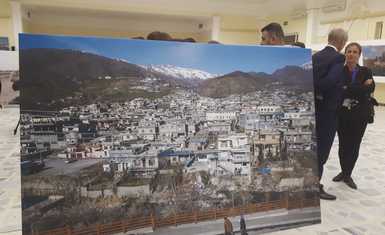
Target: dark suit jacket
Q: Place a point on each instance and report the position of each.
(358, 91)
(327, 83)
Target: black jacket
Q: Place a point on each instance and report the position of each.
(358, 91)
(327, 85)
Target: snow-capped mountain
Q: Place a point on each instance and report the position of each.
(307, 65)
(179, 72)
(122, 60)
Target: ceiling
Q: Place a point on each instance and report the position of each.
(5, 9)
(120, 14)
(257, 8)
(181, 7)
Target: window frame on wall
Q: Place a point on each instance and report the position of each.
(378, 30)
(4, 43)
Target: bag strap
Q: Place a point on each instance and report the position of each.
(373, 100)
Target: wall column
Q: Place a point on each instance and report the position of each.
(311, 26)
(17, 21)
(216, 28)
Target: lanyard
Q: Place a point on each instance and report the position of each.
(354, 75)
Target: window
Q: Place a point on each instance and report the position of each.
(4, 44)
(291, 38)
(378, 30)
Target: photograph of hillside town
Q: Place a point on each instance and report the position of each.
(8, 75)
(150, 137)
(374, 58)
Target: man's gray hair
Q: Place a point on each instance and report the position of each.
(337, 36)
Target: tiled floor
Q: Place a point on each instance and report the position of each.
(354, 212)
(361, 211)
(10, 205)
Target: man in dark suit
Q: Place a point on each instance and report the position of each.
(327, 97)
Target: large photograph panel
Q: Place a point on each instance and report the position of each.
(150, 137)
(9, 73)
(374, 58)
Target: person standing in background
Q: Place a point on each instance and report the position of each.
(355, 111)
(242, 225)
(228, 226)
(327, 89)
(272, 34)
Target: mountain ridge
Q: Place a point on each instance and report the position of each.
(63, 73)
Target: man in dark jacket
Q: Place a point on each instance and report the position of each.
(242, 225)
(327, 97)
(272, 34)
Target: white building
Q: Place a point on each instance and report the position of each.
(298, 139)
(218, 127)
(230, 142)
(235, 154)
(269, 109)
(124, 160)
(249, 121)
(147, 132)
(172, 129)
(221, 116)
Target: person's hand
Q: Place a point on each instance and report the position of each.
(368, 82)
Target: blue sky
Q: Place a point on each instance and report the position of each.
(212, 58)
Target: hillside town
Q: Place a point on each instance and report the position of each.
(179, 152)
(236, 135)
